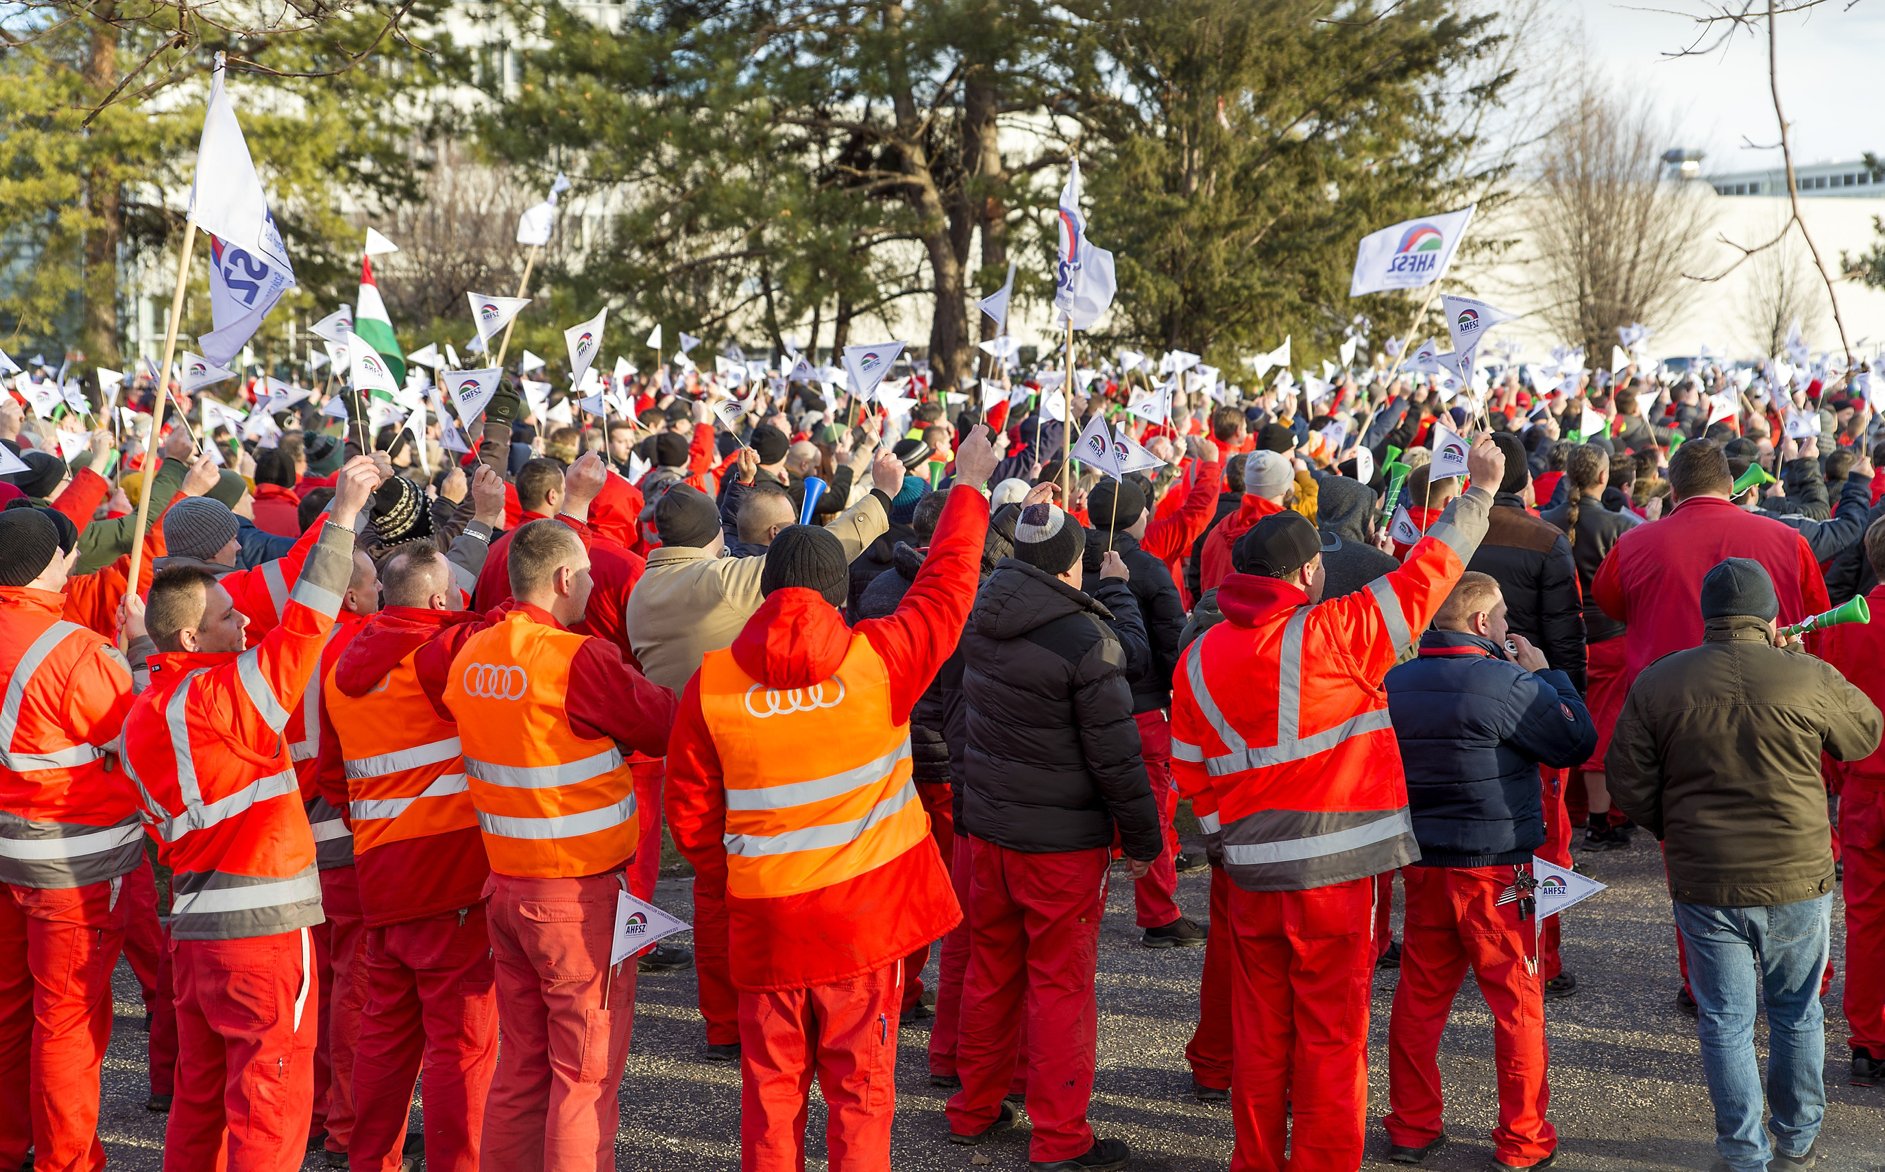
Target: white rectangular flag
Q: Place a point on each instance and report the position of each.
(1449, 452)
(249, 265)
(491, 314)
(470, 391)
(1410, 255)
(1468, 320)
(584, 342)
(1084, 283)
(865, 366)
(197, 372)
(1095, 447)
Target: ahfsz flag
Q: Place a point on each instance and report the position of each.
(1409, 255)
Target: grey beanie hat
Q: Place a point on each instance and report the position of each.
(1739, 586)
(1267, 474)
(198, 527)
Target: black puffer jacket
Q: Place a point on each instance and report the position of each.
(1051, 760)
(929, 746)
(1531, 560)
(876, 558)
(1597, 531)
(1160, 608)
(1833, 536)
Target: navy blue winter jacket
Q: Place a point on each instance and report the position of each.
(1473, 728)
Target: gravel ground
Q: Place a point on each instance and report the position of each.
(1625, 1068)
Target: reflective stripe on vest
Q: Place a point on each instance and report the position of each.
(67, 854)
(65, 758)
(333, 842)
(359, 768)
(376, 809)
(198, 816)
(217, 905)
(788, 833)
(1296, 849)
(552, 802)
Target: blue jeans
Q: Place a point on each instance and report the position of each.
(1738, 957)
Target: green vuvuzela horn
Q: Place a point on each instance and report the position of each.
(1855, 611)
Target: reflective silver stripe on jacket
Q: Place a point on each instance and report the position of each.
(277, 583)
(544, 776)
(560, 825)
(416, 757)
(307, 745)
(333, 840)
(176, 717)
(819, 837)
(799, 793)
(260, 693)
(218, 906)
(1391, 614)
(66, 854)
(366, 809)
(199, 816)
(15, 699)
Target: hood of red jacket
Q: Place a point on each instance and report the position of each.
(1246, 599)
(794, 640)
(616, 510)
(387, 638)
(1249, 511)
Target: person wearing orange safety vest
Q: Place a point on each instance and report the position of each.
(69, 835)
(1311, 804)
(391, 757)
(207, 749)
(544, 716)
(790, 771)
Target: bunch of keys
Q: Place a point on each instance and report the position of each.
(1524, 883)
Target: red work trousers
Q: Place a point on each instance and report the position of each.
(59, 946)
(845, 1033)
(337, 971)
(942, 827)
(1154, 897)
(713, 974)
(246, 1024)
(1862, 834)
(147, 949)
(1556, 849)
(430, 1005)
(1209, 1051)
(1034, 930)
(1455, 922)
(1383, 913)
(1303, 964)
(645, 868)
(951, 966)
(566, 1016)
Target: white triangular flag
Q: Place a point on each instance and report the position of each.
(1364, 465)
(335, 326)
(731, 413)
(639, 926)
(1618, 359)
(470, 392)
(1262, 364)
(1130, 360)
(1130, 456)
(585, 342)
(198, 372)
(1449, 452)
(1589, 424)
(8, 366)
(654, 339)
(688, 342)
(1153, 406)
(368, 371)
(1349, 345)
(10, 463)
(335, 408)
(1560, 887)
(1095, 446)
(1403, 528)
(491, 314)
(1468, 320)
(1801, 424)
(1054, 406)
(866, 366)
(530, 363)
(428, 356)
(995, 305)
(378, 245)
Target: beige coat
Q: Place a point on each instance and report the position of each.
(689, 603)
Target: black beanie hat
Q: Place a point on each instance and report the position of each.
(686, 517)
(1517, 472)
(43, 473)
(1115, 504)
(769, 443)
(1739, 586)
(29, 540)
(671, 450)
(1274, 437)
(1048, 539)
(807, 556)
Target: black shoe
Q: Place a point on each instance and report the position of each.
(335, 1159)
(1807, 1159)
(1400, 1155)
(724, 1052)
(316, 1142)
(1499, 1165)
(1182, 932)
(1561, 986)
(1598, 841)
(1867, 1071)
(158, 1104)
(1206, 1094)
(948, 1082)
(915, 1014)
(1685, 1001)
(412, 1152)
(1106, 1154)
(1003, 1121)
(1186, 864)
(1391, 959)
(665, 957)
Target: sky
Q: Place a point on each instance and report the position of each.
(1829, 66)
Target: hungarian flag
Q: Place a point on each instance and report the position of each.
(371, 323)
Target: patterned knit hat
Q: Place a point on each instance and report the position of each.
(400, 512)
(1047, 539)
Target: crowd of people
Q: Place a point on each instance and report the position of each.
(360, 749)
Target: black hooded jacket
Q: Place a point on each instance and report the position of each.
(1051, 759)
(1160, 607)
(929, 720)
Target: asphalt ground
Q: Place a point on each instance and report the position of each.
(1626, 1075)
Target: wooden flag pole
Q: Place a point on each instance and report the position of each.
(157, 406)
(1426, 303)
(530, 263)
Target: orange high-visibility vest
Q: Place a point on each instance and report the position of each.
(551, 803)
(405, 770)
(817, 779)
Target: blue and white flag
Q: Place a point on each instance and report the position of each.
(249, 266)
(1084, 283)
(1410, 255)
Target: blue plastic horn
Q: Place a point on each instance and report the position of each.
(814, 489)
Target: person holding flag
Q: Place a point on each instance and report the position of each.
(1474, 722)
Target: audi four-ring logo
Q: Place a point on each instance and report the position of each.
(785, 701)
(494, 681)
